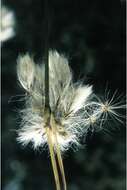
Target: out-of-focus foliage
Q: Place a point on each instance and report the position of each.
(92, 35)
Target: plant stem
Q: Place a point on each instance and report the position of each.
(46, 59)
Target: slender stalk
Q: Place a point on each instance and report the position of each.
(46, 57)
(60, 162)
(58, 152)
(53, 159)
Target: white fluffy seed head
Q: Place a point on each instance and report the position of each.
(7, 23)
(73, 110)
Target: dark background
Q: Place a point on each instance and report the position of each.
(92, 35)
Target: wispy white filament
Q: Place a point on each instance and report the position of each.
(73, 107)
(7, 22)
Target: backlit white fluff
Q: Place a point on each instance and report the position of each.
(73, 110)
(26, 71)
(81, 96)
(7, 22)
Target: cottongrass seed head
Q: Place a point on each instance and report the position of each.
(74, 106)
(7, 23)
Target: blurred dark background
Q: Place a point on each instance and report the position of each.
(92, 35)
